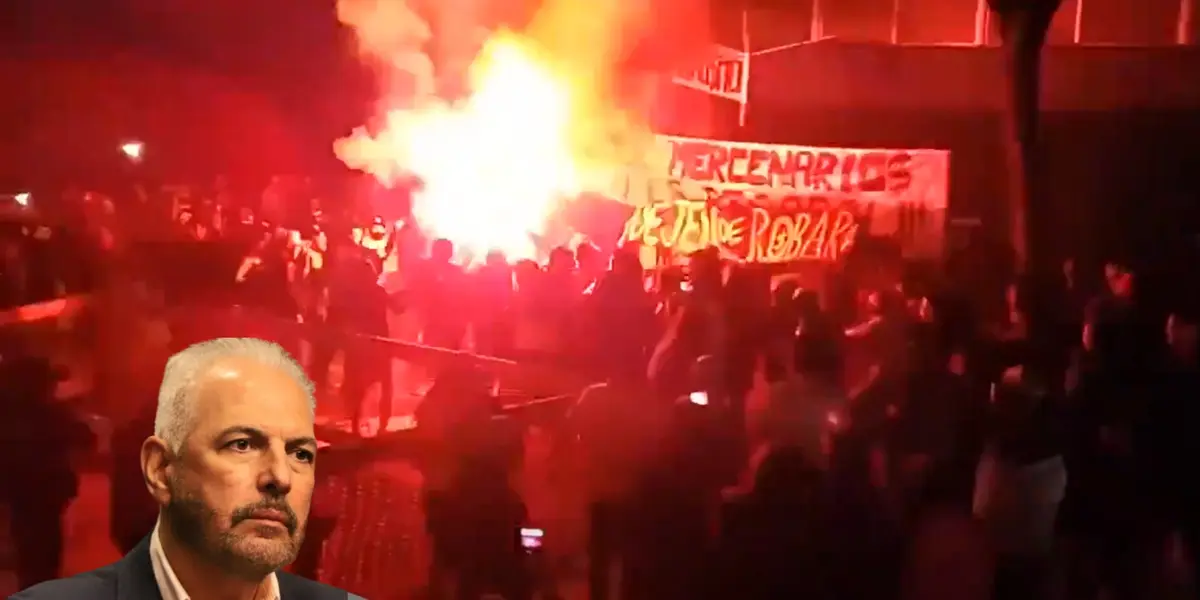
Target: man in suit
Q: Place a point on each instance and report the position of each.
(231, 466)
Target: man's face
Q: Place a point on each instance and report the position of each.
(1181, 335)
(1120, 280)
(239, 493)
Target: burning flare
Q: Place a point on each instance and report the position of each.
(535, 128)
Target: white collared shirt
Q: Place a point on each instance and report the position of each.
(168, 583)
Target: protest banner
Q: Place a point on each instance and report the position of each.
(769, 203)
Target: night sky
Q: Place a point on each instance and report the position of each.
(297, 66)
(292, 48)
(282, 42)
(151, 70)
(292, 56)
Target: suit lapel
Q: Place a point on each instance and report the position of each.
(135, 580)
(292, 587)
(135, 575)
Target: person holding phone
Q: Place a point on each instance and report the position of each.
(486, 528)
(616, 427)
(531, 539)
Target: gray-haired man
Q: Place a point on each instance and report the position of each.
(231, 465)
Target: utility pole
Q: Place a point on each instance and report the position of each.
(816, 27)
(1183, 26)
(1023, 28)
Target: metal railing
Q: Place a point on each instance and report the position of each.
(1184, 29)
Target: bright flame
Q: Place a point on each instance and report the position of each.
(493, 167)
(534, 131)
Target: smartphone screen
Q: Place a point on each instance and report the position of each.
(531, 538)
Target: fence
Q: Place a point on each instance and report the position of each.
(61, 329)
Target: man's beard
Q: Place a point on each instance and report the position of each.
(197, 526)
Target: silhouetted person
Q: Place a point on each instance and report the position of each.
(748, 306)
(486, 515)
(458, 430)
(590, 262)
(621, 327)
(1020, 484)
(14, 274)
(1116, 339)
(311, 276)
(266, 276)
(698, 328)
(773, 542)
(493, 300)
(359, 305)
(934, 408)
(1104, 514)
(616, 427)
(558, 299)
(784, 321)
(377, 240)
(327, 506)
(132, 511)
(805, 406)
(1170, 438)
(819, 340)
(1071, 302)
(439, 290)
(678, 493)
(531, 336)
(39, 437)
(457, 401)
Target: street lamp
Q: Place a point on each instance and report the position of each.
(133, 150)
(1023, 28)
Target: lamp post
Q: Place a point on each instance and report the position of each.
(1023, 28)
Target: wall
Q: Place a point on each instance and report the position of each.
(836, 74)
(1121, 127)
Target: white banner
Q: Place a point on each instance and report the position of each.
(700, 168)
(774, 203)
(726, 76)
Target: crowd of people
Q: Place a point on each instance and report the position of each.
(746, 434)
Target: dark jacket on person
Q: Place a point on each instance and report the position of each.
(775, 540)
(132, 578)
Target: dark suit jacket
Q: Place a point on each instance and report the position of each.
(132, 578)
